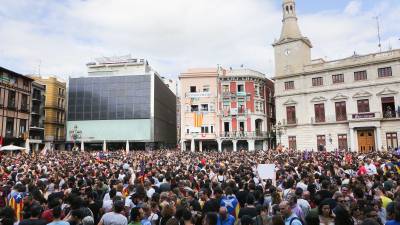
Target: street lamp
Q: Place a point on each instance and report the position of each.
(75, 134)
(279, 129)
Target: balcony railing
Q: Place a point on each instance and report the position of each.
(198, 94)
(289, 122)
(328, 119)
(244, 134)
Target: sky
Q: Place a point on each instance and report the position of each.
(58, 37)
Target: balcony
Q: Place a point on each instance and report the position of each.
(243, 135)
(328, 119)
(241, 93)
(198, 94)
(227, 94)
(289, 122)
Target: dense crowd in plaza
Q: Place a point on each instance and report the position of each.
(172, 187)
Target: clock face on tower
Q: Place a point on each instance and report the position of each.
(287, 52)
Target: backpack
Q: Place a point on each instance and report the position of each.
(295, 218)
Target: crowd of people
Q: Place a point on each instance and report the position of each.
(210, 188)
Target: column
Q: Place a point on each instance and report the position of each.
(192, 146)
(219, 145)
(352, 140)
(265, 145)
(200, 146)
(127, 146)
(378, 139)
(183, 146)
(104, 146)
(82, 146)
(234, 142)
(251, 145)
(37, 147)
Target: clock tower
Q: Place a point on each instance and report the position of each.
(292, 50)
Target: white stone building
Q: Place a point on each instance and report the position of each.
(351, 103)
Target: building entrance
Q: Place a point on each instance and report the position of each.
(366, 140)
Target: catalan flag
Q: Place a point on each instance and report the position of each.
(198, 119)
(16, 202)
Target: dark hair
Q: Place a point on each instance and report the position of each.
(36, 210)
(250, 199)
(57, 212)
(370, 222)
(135, 214)
(246, 220)
(342, 216)
(312, 219)
(211, 218)
(118, 205)
(324, 202)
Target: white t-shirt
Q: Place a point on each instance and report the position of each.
(113, 218)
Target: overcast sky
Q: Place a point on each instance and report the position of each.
(63, 35)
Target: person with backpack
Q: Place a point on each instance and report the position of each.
(289, 217)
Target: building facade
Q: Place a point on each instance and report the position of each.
(225, 110)
(36, 128)
(351, 103)
(114, 109)
(55, 112)
(15, 100)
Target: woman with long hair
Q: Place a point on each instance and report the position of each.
(342, 216)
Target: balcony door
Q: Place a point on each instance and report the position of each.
(388, 107)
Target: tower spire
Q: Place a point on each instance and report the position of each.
(290, 28)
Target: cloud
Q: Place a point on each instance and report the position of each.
(353, 7)
(177, 34)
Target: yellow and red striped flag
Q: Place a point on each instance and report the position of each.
(198, 119)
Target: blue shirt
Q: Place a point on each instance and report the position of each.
(230, 220)
(295, 222)
(392, 222)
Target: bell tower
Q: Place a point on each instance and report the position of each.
(292, 50)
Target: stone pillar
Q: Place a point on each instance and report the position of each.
(183, 146)
(219, 145)
(352, 140)
(378, 139)
(192, 146)
(265, 145)
(200, 146)
(234, 142)
(82, 146)
(104, 146)
(251, 144)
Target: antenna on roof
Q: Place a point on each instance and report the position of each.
(379, 33)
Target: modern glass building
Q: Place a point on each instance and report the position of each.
(115, 109)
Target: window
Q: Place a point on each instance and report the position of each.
(212, 129)
(317, 81)
(59, 102)
(340, 109)
(62, 103)
(187, 130)
(58, 135)
(25, 83)
(11, 99)
(319, 110)
(360, 75)
(292, 143)
(206, 88)
(241, 106)
(10, 127)
(257, 90)
(194, 108)
(391, 140)
(225, 88)
(291, 114)
(321, 142)
(363, 105)
(22, 126)
(342, 141)
(13, 80)
(388, 107)
(289, 85)
(192, 89)
(226, 105)
(240, 88)
(385, 72)
(338, 78)
(24, 102)
(204, 107)
(204, 129)
(58, 116)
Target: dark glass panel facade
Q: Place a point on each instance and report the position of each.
(109, 98)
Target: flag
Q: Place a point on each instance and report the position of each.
(1, 141)
(232, 205)
(198, 119)
(16, 202)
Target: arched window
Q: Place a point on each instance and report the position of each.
(287, 8)
(291, 8)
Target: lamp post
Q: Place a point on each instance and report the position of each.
(75, 135)
(278, 130)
